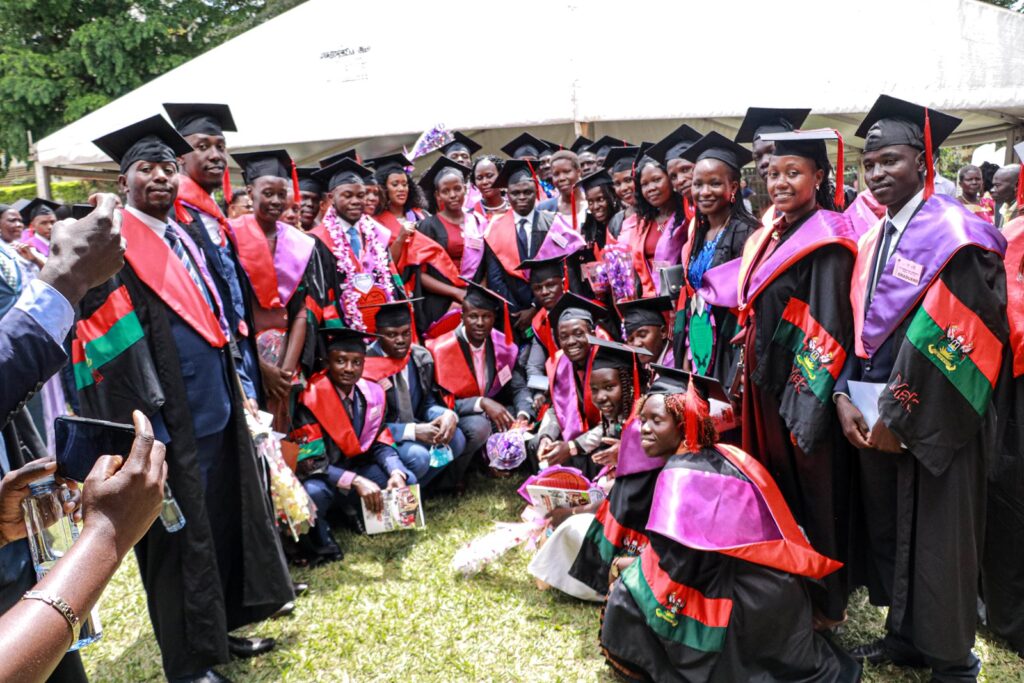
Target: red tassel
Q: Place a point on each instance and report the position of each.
(1020, 187)
(840, 191)
(226, 185)
(929, 160)
(696, 411)
(536, 180)
(636, 386)
(508, 325)
(295, 183)
(572, 204)
(565, 276)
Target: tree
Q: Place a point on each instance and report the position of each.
(60, 60)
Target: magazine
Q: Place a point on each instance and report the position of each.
(402, 509)
(547, 498)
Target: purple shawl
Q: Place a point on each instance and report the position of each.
(560, 240)
(473, 229)
(504, 361)
(37, 243)
(632, 458)
(291, 256)
(565, 399)
(669, 248)
(375, 409)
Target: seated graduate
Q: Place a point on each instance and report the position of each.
(547, 282)
(475, 368)
(614, 385)
(345, 451)
(571, 430)
(282, 271)
(618, 530)
(513, 237)
(719, 593)
(644, 324)
(415, 417)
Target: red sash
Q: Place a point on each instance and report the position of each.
(1014, 234)
(190, 193)
(376, 368)
(451, 371)
(541, 325)
(323, 401)
(257, 261)
(420, 250)
(501, 238)
(156, 265)
(643, 268)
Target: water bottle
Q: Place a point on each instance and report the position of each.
(51, 534)
(171, 515)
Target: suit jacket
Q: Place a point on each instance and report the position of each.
(28, 357)
(512, 288)
(423, 396)
(515, 393)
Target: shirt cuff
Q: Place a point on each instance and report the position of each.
(836, 395)
(49, 308)
(408, 432)
(476, 405)
(345, 480)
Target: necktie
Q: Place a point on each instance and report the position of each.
(178, 247)
(882, 257)
(524, 234)
(405, 413)
(353, 239)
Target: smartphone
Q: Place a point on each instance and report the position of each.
(81, 441)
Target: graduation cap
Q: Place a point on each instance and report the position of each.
(810, 144)
(575, 307)
(673, 145)
(580, 143)
(388, 164)
(394, 313)
(621, 159)
(202, 118)
(80, 211)
(524, 145)
(347, 154)
(595, 179)
(276, 163)
(515, 171)
(892, 121)
(707, 389)
(441, 167)
(605, 145)
(307, 183)
(343, 172)
(714, 145)
(461, 142)
(346, 339)
(36, 207)
(152, 139)
(550, 146)
(613, 354)
(544, 269)
(639, 313)
(479, 296)
(761, 120)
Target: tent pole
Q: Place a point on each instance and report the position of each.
(43, 182)
(1013, 136)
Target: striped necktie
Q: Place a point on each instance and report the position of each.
(178, 247)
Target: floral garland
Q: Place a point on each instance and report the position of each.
(377, 256)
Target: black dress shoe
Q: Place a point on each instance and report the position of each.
(243, 648)
(299, 588)
(878, 652)
(208, 676)
(286, 610)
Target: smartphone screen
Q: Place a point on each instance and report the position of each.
(81, 441)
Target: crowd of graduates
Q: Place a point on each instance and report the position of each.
(620, 310)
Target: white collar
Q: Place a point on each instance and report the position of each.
(904, 215)
(155, 224)
(519, 217)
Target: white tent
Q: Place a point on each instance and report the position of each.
(328, 75)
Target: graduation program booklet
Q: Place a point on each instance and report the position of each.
(864, 395)
(547, 498)
(402, 509)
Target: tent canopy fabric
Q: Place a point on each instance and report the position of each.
(340, 74)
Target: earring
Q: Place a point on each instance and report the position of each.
(732, 198)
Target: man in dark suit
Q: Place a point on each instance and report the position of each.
(31, 350)
(415, 417)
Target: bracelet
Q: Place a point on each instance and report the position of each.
(59, 604)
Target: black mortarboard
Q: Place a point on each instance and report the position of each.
(595, 179)
(334, 158)
(676, 381)
(307, 183)
(343, 172)
(550, 146)
(575, 307)
(543, 269)
(36, 207)
(152, 139)
(442, 166)
(673, 145)
(810, 144)
(271, 162)
(612, 354)
(394, 313)
(714, 145)
(524, 145)
(461, 141)
(388, 164)
(897, 122)
(580, 143)
(621, 159)
(205, 119)
(346, 339)
(760, 120)
(605, 145)
(514, 171)
(642, 312)
(80, 211)
(479, 296)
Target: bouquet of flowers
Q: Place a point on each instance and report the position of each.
(615, 271)
(430, 140)
(292, 505)
(506, 450)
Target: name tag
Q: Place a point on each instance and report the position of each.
(504, 375)
(385, 383)
(558, 239)
(374, 411)
(907, 270)
(474, 243)
(363, 282)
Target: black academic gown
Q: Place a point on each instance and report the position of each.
(225, 569)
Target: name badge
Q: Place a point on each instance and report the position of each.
(385, 383)
(474, 243)
(363, 282)
(907, 270)
(504, 375)
(558, 239)
(374, 411)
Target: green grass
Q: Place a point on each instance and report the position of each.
(394, 610)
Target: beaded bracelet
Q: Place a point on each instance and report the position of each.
(61, 605)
